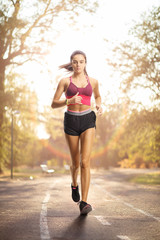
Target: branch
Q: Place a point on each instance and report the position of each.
(27, 60)
(20, 63)
(13, 3)
(26, 34)
(15, 54)
(9, 38)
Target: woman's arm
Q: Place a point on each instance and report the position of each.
(56, 103)
(97, 97)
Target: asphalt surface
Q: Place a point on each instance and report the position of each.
(43, 209)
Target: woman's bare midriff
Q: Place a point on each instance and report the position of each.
(78, 107)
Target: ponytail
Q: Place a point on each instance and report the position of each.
(67, 66)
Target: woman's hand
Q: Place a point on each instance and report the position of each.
(75, 99)
(99, 110)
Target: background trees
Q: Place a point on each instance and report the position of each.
(27, 31)
(138, 61)
(138, 64)
(127, 134)
(139, 144)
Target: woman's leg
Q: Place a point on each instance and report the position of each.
(86, 139)
(73, 143)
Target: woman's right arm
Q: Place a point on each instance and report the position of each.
(56, 103)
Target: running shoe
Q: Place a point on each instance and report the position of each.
(75, 193)
(85, 208)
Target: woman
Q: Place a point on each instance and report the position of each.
(79, 122)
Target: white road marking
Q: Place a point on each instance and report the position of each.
(141, 211)
(128, 204)
(43, 219)
(102, 220)
(123, 237)
(44, 231)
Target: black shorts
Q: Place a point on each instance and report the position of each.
(75, 125)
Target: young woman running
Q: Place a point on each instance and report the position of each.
(79, 122)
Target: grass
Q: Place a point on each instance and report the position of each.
(150, 179)
(21, 173)
(26, 173)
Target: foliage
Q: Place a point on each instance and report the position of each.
(140, 140)
(26, 146)
(25, 26)
(138, 61)
(27, 30)
(150, 178)
(138, 64)
(5, 136)
(122, 139)
(126, 138)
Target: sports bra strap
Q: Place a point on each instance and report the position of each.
(70, 78)
(87, 78)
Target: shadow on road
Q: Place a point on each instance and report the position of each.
(75, 230)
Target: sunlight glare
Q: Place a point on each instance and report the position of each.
(112, 22)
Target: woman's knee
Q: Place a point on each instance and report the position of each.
(75, 165)
(85, 163)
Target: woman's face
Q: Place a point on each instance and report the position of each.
(78, 63)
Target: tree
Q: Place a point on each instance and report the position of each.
(24, 28)
(24, 127)
(27, 31)
(139, 144)
(138, 61)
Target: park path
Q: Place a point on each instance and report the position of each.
(43, 209)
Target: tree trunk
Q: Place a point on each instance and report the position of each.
(2, 79)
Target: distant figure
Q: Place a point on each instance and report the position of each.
(79, 122)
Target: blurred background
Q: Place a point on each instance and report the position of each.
(122, 42)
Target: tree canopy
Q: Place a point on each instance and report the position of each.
(27, 31)
(138, 60)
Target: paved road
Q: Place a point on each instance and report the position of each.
(42, 209)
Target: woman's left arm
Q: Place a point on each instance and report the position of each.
(97, 97)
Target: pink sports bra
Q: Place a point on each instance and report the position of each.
(85, 93)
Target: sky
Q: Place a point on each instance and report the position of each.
(111, 21)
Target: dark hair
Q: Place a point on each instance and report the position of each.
(68, 66)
